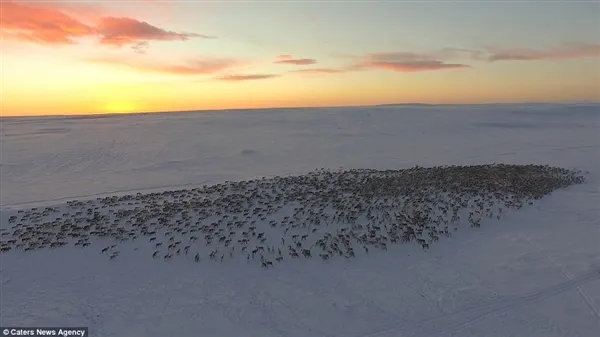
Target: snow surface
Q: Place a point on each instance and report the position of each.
(535, 272)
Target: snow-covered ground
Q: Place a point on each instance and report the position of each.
(535, 272)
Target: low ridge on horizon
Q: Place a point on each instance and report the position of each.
(399, 105)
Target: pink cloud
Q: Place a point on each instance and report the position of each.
(288, 59)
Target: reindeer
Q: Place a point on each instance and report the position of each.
(306, 252)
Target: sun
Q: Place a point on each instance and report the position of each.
(120, 107)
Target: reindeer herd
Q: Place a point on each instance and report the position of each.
(323, 214)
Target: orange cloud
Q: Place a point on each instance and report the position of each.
(41, 25)
(50, 23)
(566, 51)
(250, 77)
(196, 66)
(288, 59)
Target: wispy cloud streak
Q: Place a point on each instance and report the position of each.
(248, 77)
(402, 62)
(320, 71)
(288, 59)
(197, 66)
(122, 31)
(406, 62)
(566, 51)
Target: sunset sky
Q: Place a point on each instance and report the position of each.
(78, 57)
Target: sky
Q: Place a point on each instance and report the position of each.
(89, 57)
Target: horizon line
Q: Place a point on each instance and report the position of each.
(415, 104)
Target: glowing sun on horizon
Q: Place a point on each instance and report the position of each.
(120, 107)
